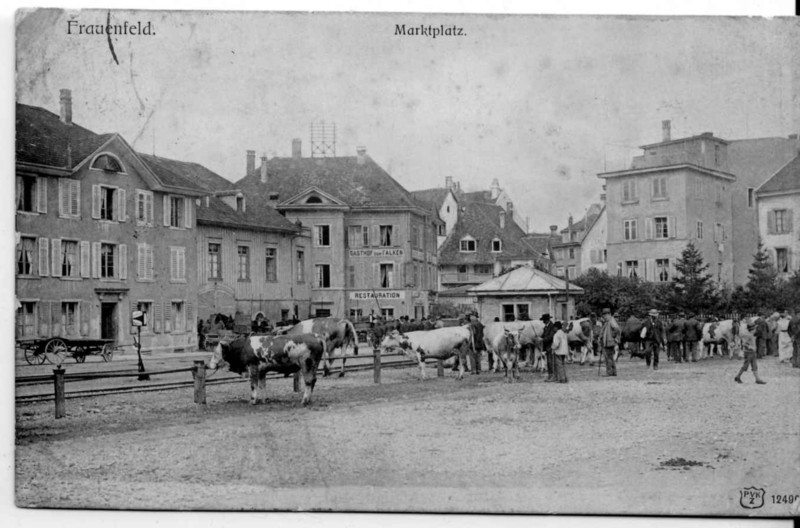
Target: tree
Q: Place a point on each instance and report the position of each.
(692, 288)
(762, 283)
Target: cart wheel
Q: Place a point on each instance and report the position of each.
(79, 355)
(34, 356)
(107, 352)
(55, 351)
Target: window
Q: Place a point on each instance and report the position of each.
(177, 263)
(144, 261)
(356, 313)
(107, 163)
(629, 191)
(26, 194)
(415, 238)
(322, 235)
(322, 312)
(387, 314)
(178, 317)
(719, 233)
(69, 201)
(483, 269)
(323, 275)
(176, 211)
(26, 319)
(605, 255)
(560, 271)
(351, 276)
(661, 225)
(107, 203)
(272, 264)
(144, 207)
(354, 236)
(70, 266)
(619, 269)
(662, 270)
(243, 262)
(572, 253)
(571, 272)
(516, 312)
(630, 230)
(240, 204)
(781, 221)
(782, 260)
(69, 318)
(107, 260)
(386, 235)
(442, 230)
(467, 245)
(416, 275)
(632, 268)
(214, 256)
(387, 275)
(720, 188)
(462, 272)
(573, 236)
(301, 266)
(25, 250)
(659, 187)
(700, 229)
(750, 197)
(497, 245)
(716, 155)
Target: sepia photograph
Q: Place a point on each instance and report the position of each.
(419, 262)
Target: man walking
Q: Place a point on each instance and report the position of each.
(547, 344)
(609, 339)
(675, 339)
(653, 336)
(762, 336)
(692, 333)
(749, 348)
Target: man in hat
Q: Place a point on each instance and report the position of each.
(547, 344)
(794, 335)
(675, 339)
(653, 337)
(692, 333)
(749, 348)
(609, 339)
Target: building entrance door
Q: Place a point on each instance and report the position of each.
(108, 320)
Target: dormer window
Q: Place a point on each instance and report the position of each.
(107, 163)
(467, 245)
(240, 204)
(497, 245)
(273, 196)
(314, 200)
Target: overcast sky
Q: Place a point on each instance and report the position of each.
(543, 104)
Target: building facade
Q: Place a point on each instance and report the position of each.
(101, 231)
(778, 204)
(594, 253)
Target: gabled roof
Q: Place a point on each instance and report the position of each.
(433, 199)
(219, 213)
(356, 184)
(186, 172)
(481, 221)
(42, 138)
(525, 279)
(754, 161)
(787, 179)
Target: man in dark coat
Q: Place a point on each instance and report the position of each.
(675, 339)
(794, 334)
(477, 336)
(654, 338)
(547, 344)
(692, 333)
(762, 336)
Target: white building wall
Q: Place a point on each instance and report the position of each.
(593, 245)
(790, 240)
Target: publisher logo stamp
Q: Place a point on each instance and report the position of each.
(751, 498)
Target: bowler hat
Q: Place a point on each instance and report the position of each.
(545, 317)
(606, 311)
(653, 312)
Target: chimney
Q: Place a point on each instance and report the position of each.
(66, 106)
(570, 221)
(603, 197)
(264, 176)
(361, 153)
(251, 162)
(448, 182)
(495, 188)
(793, 136)
(510, 208)
(553, 229)
(666, 130)
(297, 146)
(502, 219)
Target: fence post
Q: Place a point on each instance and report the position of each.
(199, 374)
(297, 381)
(376, 363)
(439, 368)
(58, 378)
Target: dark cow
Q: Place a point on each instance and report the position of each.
(339, 335)
(261, 354)
(580, 335)
(632, 336)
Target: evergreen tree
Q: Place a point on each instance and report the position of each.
(693, 288)
(761, 283)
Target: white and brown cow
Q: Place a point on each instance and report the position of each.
(530, 339)
(340, 335)
(441, 343)
(719, 333)
(258, 355)
(506, 348)
(580, 335)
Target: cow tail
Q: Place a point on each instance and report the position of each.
(353, 337)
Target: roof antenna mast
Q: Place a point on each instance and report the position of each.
(323, 139)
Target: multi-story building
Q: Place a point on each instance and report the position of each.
(569, 253)
(686, 190)
(101, 231)
(442, 200)
(778, 204)
(372, 246)
(593, 246)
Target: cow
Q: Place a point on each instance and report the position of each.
(505, 347)
(258, 355)
(722, 333)
(631, 336)
(530, 339)
(339, 335)
(440, 343)
(580, 335)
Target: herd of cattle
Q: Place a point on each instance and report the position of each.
(511, 344)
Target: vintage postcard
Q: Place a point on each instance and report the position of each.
(407, 262)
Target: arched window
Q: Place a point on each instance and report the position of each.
(313, 200)
(108, 163)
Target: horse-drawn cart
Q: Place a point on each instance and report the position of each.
(56, 349)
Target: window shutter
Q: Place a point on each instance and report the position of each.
(771, 222)
(44, 257)
(148, 209)
(75, 197)
(187, 212)
(190, 317)
(376, 275)
(167, 316)
(123, 261)
(86, 312)
(649, 269)
(56, 257)
(85, 259)
(148, 263)
(157, 317)
(55, 317)
(140, 260)
(95, 201)
(401, 276)
(41, 195)
(673, 226)
(173, 263)
(96, 260)
(122, 206)
(182, 263)
(648, 228)
(788, 220)
(166, 210)
(44, 319)
(63, 197)
(133, 309)
(376, 235)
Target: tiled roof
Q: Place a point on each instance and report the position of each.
(476, 196)
(173, 172)
(43, 139)
(481, 221)
(786, 179)
(219, 213)
(525, 279)
(754, 161)
(356, 184)
(433, 198)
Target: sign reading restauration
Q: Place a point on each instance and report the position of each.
(376, 253)
(381, 295)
